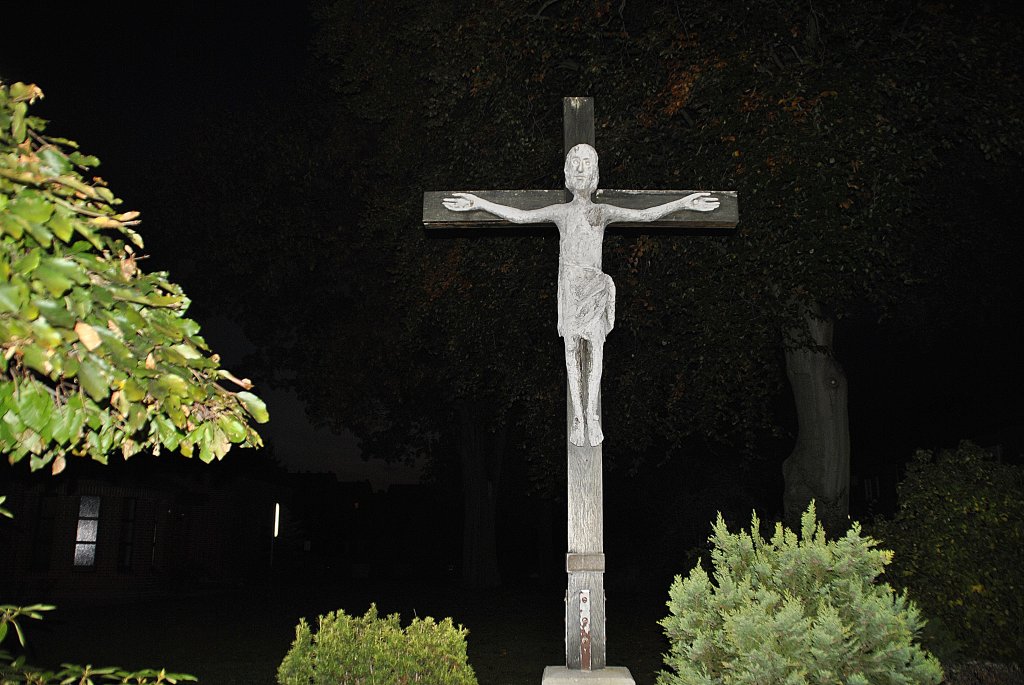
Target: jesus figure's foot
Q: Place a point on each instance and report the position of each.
(594, 428)
(576, 432)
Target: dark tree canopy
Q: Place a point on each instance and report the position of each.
(827, 119)
(832, 121)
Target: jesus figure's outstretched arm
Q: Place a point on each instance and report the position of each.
(697, 202)
(465, 202)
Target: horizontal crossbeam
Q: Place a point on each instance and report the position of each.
(726, 216)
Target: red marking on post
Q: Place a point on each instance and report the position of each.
(585, 630)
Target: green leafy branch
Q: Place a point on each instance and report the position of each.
(9, 615)
(16, 672)
(96, 355)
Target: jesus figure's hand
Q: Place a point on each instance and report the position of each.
(701, 202)
(461, 202)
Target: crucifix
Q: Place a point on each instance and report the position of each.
(586, 314)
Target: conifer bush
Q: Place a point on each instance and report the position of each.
(349, 650)
(958, 535)
(793, 610)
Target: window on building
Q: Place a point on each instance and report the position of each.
(88, 530)
(126, 545)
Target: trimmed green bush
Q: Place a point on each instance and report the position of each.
(349, 650)
(958, 535)
(793, 610)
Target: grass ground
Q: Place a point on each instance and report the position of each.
(231, 638)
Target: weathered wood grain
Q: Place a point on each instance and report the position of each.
(726, 216)
(577, 123)
(585, 512)
(598, 636)
(436, 216)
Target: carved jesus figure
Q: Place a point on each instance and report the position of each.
(586, 295)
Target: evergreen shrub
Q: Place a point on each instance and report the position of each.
(349, 650)
(958, 536)
(793, 610)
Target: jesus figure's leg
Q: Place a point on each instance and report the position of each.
(593, 392)
(572, 368)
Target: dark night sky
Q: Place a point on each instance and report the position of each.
(133, 88)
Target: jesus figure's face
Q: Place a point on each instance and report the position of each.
(581, 170)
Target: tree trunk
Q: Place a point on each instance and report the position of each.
(481, 471)
(819, 466)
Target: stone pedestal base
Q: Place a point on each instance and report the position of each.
(613, 675)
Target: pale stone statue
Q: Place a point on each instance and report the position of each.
(586, 295)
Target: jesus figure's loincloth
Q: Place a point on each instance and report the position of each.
(586, 302)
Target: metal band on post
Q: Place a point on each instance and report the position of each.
(579, 563)
(585, 658)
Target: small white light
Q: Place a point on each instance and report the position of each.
(277, 517)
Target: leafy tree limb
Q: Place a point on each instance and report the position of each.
(96, 355)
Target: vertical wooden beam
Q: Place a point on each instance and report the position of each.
(577, 123)
(585, 557)
(585, 489)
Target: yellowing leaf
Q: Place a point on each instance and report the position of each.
(241, 382)
(25, 91)
(128, 268)
(88, 335)
(104, 221)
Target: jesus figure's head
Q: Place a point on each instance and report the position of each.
(581, 170)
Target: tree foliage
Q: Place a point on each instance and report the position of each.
(826, 119)
(98, 356)
(958, 535)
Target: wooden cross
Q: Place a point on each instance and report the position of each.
(585, 640)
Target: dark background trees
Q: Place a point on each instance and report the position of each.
(864, 140)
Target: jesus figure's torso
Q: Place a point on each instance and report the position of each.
(586, 295)
(581, 230)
